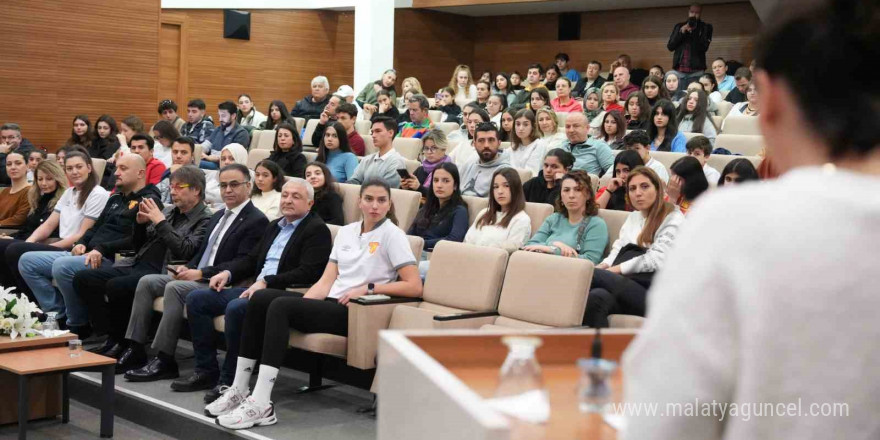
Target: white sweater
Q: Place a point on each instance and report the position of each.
(658, 168)
(269, 203)
(511, 238)
(529, 157)
(653, 259)
(770, 296)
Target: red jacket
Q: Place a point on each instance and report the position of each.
(356, 143)
(155, 169)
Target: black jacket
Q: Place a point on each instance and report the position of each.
(452, 112)
(536, 191)
(178, 237)
(103, 148)
(698, 40)
(303, 260)
(111, 233)
(307, 109)
(392, 113)
(580, 88)
(329, 208)
(240, 238)
(292, 162)
(36, 218)
(735, 96)
(25, 147)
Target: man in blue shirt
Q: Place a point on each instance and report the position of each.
(590, 155)
(229, 132)
(562, 63)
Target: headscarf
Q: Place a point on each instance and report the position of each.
(239, 153)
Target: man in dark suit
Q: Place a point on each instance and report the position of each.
(232, 232)
(294, 250)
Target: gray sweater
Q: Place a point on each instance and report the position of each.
(476, 178)
(384, 167)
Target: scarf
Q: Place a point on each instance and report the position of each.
(430, 167)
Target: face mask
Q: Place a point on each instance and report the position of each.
(692, 21)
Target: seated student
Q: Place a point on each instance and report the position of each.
(484, 90)
(353, 271)
(495, 106)
(591, 80)
(478, 175)
(168, 111)
(723, 81)
(106, 141)
(328, 202)
(504, 223)
(742, 77)
(613, 129)
(463, 83)
(74, 214)
(345, 114)
(652, 87)
(434, 148)
(548, 127)
(11, 140)
(368, 98)
(404, 112)
(384, 107)
(384, 163)
(575, 229)
(738, 171)
(81, 133)
(533, 80)
(444, 215)
(14, 205)
(563, 102)
(164, 134)
(591, 155)
(638, 112)
(592, 105)
(444, 101)
(664, 128)
(700, 148)
(334, 151)
(312, 105)
(143, 145)
(247, 114)
(129, 127)
(465, 153)
(503, 87)
(747, 108)
(621, 281)
(158, 238)
(656, 70)
(551, 76)
(639, 141)
(711, 87)
(230, 234)
(544, 188)
(276, 114)
(613, 196)
(198, 126)
(232, 153)
(327, 116)
(538, 99)
(419, 122)
(686, 183)
(33, 159)
(287, 151)
(610, 97)
(622, 81)
(672, 84)
(507, 125)
(526, 148)
(266, 194)
(182, 154)
(228, 132)
(693, 116)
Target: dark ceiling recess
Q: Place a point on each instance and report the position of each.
(236, 24)
(569, 26)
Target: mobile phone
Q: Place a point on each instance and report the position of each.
(404, 174)
(172, 269)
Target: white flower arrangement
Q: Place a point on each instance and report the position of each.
(18, 315)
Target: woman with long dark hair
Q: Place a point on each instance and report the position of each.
(444, 215)
(268, 183)
(165, 134)
(81, 133)
(738, 171)
(663, 130)
(653, 89)
(247, 114)
(335, 152)
(328, 202)
(276, 114)
(638, 111)
(693, 116)
(686, 183)
(106, 143)
(613, 196)
(504, 223)
(444, 101)
(287, 151)
(544, 188)
(613, 129)
(502, 86)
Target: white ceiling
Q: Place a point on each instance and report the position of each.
(557, 6)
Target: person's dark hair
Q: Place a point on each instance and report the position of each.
(166, 130)
(562, 56)
(329, 181)
(383, 92)
(743, 72)
(637, 137)
(798, 48)
(229, 106)
(431, 212)
(422, 100)
(536, 66)
(377, 181)
(515, 141)
(194, 177)
(11, 126)
(143, 137)
(621, 127)
(197, 103)
(701, 111)
(282, 108)
(699, 143)
(629, 158)
(506, 78)
(565, 158)
(87, 138)
(711, 79)
(545, 95)
(695, 183)
(487, 127)
(503, 101)
(671, 128)
(554, 68)
(644, 106)
(237, 167)
(387, 122)
(743, 168)
(347, 108)
(662, 93)
(167, 104)
(135, 124)
(239, 116)
(517, 200)
(114, 129)
(591, 208)
(659, 209)
(596, 63)
(90, 183)
(297, 141)
(343, 141)
(662, 71)
(186, 140)
(277, 173)
(41, 151)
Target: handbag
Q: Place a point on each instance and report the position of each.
(629, 252)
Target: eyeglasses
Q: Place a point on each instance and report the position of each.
(180, 186)
(431, 149)
(234, 185)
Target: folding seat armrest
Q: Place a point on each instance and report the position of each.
(365, 320)
(470, 320)
(471, 315)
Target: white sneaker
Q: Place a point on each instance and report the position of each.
(229, 399)
(248, 414)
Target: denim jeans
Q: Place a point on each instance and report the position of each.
(63, 270)
(202, 306)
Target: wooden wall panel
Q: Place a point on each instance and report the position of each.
(59, 60)
(169, 61)
(428, 45)
(286, 50)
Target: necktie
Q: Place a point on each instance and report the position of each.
(206, 256)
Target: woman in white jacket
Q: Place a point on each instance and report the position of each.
(621, 281)
(504, 224)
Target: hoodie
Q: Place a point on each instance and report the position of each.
(477, 176)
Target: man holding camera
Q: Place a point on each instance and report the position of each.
(689, 41)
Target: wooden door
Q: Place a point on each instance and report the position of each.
(172, 63)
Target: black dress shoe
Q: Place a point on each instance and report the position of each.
(195, 382)
(214, 393)
(82, 331)
(116, 351)
(132, 358)
(156, 369)
(104, 348)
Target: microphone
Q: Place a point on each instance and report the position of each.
(596, 351)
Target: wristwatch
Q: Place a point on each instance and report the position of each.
(370, 288)
(555, 250)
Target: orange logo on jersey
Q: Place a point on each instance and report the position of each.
(132, 204)
(373, 246)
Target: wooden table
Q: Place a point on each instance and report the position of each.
(45, 390)
(39, 362)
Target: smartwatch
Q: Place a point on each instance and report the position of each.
(370, 288)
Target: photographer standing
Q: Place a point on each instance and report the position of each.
(689, 42)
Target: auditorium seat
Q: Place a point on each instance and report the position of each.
(745, 144)
(719, 161)
(310, 129)
(691, 135)
(524, 175)
(447, 127)
(255, 156)
(594, 182)
(463, 278)
(435, 115)
(369, 147)
(538, 212)
(724, 108)
(625, 321)
(408, 147)
(561, 117)
(99, 165)
(300, 123)
(362, 127)
(197, 154)
(266, 141)
(406, 204)
(614, 220)
(552, 95)
(719, 121)
(412, 166)
(52, 157)
(475, 205)
(505, 145)
(310, 156)
(741, 125)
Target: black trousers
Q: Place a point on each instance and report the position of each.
(610, 294)
(118, 284)
(271, 313)
(10, 252)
